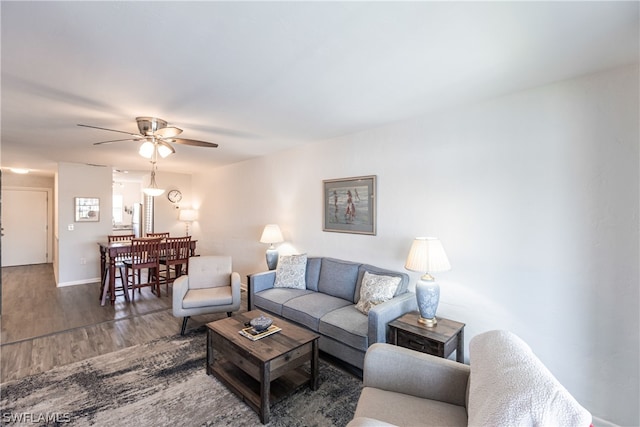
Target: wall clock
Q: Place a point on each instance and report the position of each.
(174, 196)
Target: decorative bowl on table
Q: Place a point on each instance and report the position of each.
(261, 323)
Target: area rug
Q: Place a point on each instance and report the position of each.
(164, 383)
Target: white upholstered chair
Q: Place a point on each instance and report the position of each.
(210, 287)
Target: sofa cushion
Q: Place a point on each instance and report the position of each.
(406, 410)
(272, 299)
(208, 297)
(338, 278)
(308, 309)
(313, 273)
(376, 289)
(509, 385)
(402, 287)
(346, 325)
(291, 272)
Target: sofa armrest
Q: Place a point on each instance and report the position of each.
(180, 287)
(259, 282)
(368, 422)
(236, 286)
(401, 370)
(381, 314)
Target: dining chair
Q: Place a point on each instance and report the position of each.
(119, 263)
(156, 235)
(145, 254)
(175, 257)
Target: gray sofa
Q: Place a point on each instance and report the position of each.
(505, 385)
(327, 305)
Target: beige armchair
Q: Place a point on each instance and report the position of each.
(210, 287)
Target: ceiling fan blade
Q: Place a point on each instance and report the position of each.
(193, 142)
(110, 130)
(168, 132)
(118, 140)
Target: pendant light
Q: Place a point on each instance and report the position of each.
(153, 190)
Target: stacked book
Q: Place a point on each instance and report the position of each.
(254, 335)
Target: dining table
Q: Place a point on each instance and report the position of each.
(108, 253)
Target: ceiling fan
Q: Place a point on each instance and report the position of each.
(157, 133)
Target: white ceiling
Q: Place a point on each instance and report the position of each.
(258, 77)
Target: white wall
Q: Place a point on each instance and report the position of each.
(534, 196)
(78, 257)
(166, 213)
(31, 180)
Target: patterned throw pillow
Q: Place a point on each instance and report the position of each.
(291, 271)
(375, 290)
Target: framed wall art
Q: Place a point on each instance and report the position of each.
(350, 205)
(87, 209)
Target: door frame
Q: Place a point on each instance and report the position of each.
(50, 219)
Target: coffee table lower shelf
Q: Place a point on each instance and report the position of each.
(248, 389)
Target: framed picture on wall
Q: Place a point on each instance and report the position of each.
(87, 209)
(350, 205)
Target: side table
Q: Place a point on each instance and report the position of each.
(441, 340)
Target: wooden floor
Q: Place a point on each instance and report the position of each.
(44, 326)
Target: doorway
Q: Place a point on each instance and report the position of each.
(25, 226)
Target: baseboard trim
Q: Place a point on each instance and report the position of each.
(78, 282)
(599, 422)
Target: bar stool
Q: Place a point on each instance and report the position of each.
(119, 263)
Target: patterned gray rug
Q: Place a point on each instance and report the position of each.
(164, 383)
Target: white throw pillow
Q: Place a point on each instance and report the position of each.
(291, 272)
(375, 290)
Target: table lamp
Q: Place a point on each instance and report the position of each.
(271, 234)
(427, 255)
(188, 216)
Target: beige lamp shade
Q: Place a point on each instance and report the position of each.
(427, 255)
(271, 234)
(188, 215)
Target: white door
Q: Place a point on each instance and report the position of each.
(24, 227)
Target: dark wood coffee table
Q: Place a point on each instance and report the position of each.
(261, 372)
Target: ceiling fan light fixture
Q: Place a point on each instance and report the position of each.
(164, 149)
(146, 149)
